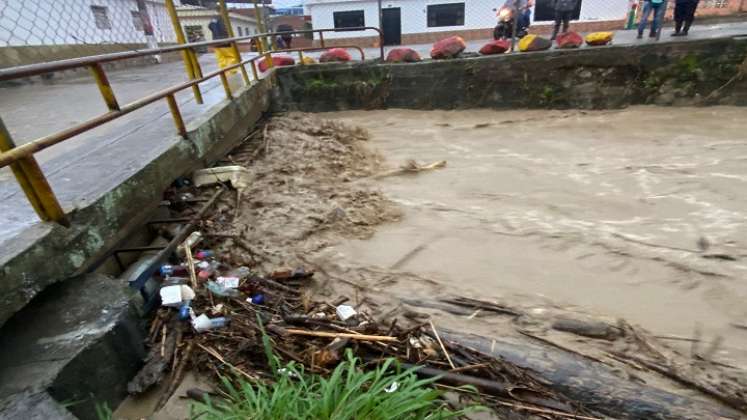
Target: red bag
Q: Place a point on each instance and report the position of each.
(277, 61)
(335, 54)
(448, 48)
(569, 40)
(403, 55)
(499, 46)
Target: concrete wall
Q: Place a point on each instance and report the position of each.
(665, 73)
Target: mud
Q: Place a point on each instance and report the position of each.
(606, 211)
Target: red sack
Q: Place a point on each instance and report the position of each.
(277, 61)
(403, 55)
(448, 48)
(499, 46)
(335, 54)
(569, 40)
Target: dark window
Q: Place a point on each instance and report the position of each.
(352, 19)
(137, 21)
(101, 17)
(446, 15)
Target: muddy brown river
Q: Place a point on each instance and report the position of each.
(637, 213)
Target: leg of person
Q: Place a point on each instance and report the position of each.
(567, 20)
(644, 18)
(654, 19)
(692, 7)
(558, 17)
(679, 17)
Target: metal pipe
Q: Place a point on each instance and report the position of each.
(33, 183)
(104, 87)
(186, 54)
(229, 29)
(17, 72)
(226, 86)
(177, 115)
(262, 28)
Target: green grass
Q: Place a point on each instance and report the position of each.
(348, 393)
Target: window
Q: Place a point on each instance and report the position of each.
(137, 21)
(101, 17)
(241, 33)
(446, 15)
(351, 19)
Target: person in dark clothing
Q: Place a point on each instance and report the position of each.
(684, 14)
(284, 41)
(563, 13)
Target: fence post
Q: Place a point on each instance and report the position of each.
(229, 29)
(263, 41)
(33, 183)
(187, 55)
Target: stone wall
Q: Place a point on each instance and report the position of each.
(666, 73)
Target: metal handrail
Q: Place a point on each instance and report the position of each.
(17, 72)
(21, 158)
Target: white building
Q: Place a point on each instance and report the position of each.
(195, 21)
(66, 22)
(418, 21)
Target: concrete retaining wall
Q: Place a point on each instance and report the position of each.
(666, 73)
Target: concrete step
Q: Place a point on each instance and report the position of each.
(75, 346)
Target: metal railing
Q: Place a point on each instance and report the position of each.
(21, 158)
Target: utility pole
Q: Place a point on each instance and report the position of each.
(150, 38)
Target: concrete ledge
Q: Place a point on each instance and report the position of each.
(665, 73)
(78, 343)
(47, 253)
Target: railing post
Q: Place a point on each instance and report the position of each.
(104, 87)
(263, 40)
(229, 29)
(34, 184)
(226, 86)
(187, 55)
(178, 121)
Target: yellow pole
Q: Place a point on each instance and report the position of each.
(262, 30)
(104, 87)
(33, 183)
(186, 54)
(229, 29)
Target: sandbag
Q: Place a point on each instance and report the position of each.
(277, 61)
(533, 42)
(599, 38)
(403, 55)
(569, 40)
(448, 48)
(498, 46)
(335, 54)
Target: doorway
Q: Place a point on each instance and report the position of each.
(391, 25)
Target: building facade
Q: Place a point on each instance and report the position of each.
(195, 21)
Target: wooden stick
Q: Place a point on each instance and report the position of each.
(361, 337)
(163, 342)
(469, 367)
(443, 348)
(190, 266)
(220, 358)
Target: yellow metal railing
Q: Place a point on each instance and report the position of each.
(21, 158)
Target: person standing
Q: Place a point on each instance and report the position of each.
(224, 53)
(563, 13)
(649, 6)
(684, 13)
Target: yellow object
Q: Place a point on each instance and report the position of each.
(308, 60)
(599, 38)
(227, 56)
(525, 42)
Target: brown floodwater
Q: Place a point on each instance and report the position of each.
(638, 213)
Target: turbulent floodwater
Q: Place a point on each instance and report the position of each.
(638, 213)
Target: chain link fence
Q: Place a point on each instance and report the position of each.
(41, 30)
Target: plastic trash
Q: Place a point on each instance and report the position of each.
(219, 290)
(228, 282)
(203, 323)
(258, 299)
(238, 176)
(241, 272)
(345, 312)
(176, 295)
(185, 311)
(192, 240)
(204, 254)
(168, 270)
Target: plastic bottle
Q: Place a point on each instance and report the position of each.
(185, 311)
(258, 299)
(219, 290)
(202, 323)
(204, 254)
(240, 272)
